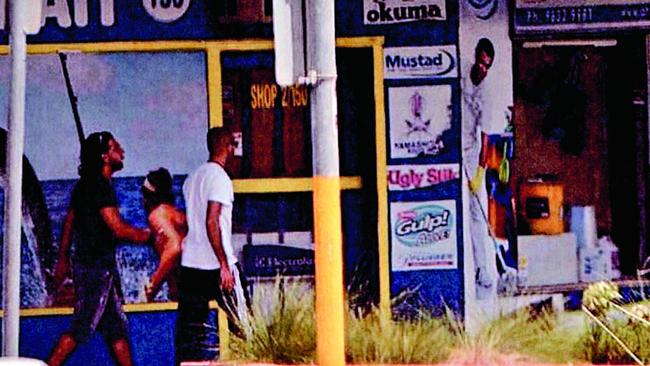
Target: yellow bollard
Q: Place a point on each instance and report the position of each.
(330, 308)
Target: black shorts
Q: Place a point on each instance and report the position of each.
(98, 305)
(196, 337)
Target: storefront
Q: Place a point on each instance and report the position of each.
(581, 122)
(554, 90)
(157, 74)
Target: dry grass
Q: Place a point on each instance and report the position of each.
(282, 330)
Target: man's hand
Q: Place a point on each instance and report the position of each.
(61, 272)
(227, 279)
(479, 178)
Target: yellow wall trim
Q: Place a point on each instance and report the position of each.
(382, 182)
(287, 184)
(129, 308)
(163, 46)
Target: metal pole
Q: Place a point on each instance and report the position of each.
(13, 195)
(327, 188)
(72, 97)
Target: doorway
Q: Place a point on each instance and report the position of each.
(581, 118)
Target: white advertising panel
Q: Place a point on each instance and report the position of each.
(408, 177)
(418, 117)
(432, 62)
(423, 235)
(401, 11)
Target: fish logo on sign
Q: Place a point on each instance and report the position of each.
(485, 9)
(418, 129)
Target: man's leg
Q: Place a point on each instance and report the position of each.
(62, 351)
(194, 333)
(114, 327)
(122, 352)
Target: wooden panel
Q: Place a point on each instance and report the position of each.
(295, 131)
(264, 94)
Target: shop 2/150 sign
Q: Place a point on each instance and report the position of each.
(164, 11)
(264, 96)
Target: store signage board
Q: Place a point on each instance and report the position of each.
(409, 177)
(431, 62)
(378, 12)
(423, 235)
(591, 16)
(419, 116)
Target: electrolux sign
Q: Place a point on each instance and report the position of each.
(420, 62)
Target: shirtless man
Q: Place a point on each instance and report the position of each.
(169, 227)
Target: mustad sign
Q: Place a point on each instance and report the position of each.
(420, 62)
(401, 11)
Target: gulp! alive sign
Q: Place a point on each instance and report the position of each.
(423, 235)
(407, 177)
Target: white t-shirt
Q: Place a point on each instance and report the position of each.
(209, 182)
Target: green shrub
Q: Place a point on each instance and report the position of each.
(377, 338)
(281, 327)
(598, 346)
(597, 298)
(518, 336)
(282, 330)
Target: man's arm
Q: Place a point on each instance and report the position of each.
(63, 263)
(214, 235)
(121, 229)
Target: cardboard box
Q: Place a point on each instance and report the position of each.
(548, 259)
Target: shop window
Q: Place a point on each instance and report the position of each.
(244, 11)
(274, 121)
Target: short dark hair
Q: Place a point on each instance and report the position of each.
(157, 188)
(484, 45)
(92, 149)
(216, 136)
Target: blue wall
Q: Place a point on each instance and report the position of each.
(151, 337)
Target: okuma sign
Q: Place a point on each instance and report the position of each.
(400, 11)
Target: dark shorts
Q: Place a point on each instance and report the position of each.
(197, 335)
(98, 305)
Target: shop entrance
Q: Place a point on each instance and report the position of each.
(272, 170)
(581, 121)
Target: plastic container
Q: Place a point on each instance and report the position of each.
(541, 203)
(583, 224)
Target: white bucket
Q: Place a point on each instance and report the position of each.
(583, 224)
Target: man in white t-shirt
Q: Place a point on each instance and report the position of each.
(209, 269)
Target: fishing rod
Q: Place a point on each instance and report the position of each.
(73, 98)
